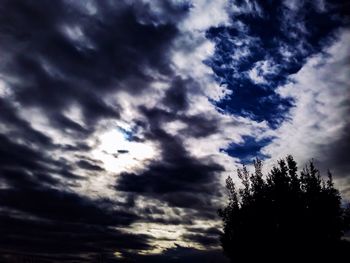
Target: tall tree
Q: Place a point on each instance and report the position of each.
(283, 215)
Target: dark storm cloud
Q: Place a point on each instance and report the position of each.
(27, 174)
(60, 224)
(189, 199)
(205, 237)
(17, 156)
(63, 241)
(21, 128)
(47, 220)
(59, 54)
(170, 179)
(204, 240)
(64, 56)
(184, 254)
(89, 166)
(62, 206)
(78, 147)
(340, 153)
(200, 126)
(166, 11)
(178, 178)
(176, 95)
(60, 120)
(212, 231)
(335, 157)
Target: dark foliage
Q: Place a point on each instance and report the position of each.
(284, 215)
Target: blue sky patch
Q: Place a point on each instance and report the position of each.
(261, 49)
(248, 150)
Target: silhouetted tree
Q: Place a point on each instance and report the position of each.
(284, 215)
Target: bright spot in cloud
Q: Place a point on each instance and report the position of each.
(119, 154)
(165, 236)
(117, 254)
(4, 90)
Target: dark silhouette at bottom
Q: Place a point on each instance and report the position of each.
(284, 216)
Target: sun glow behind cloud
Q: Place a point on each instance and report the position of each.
(119, 154)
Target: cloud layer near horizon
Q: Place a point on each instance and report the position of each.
(121, 119)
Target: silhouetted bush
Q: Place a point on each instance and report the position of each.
(285, 215)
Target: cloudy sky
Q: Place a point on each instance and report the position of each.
(120, 120)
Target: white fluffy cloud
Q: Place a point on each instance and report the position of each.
(318, 123)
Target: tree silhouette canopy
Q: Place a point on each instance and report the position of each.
(284, 215)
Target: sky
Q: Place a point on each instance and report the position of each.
(121, 120)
